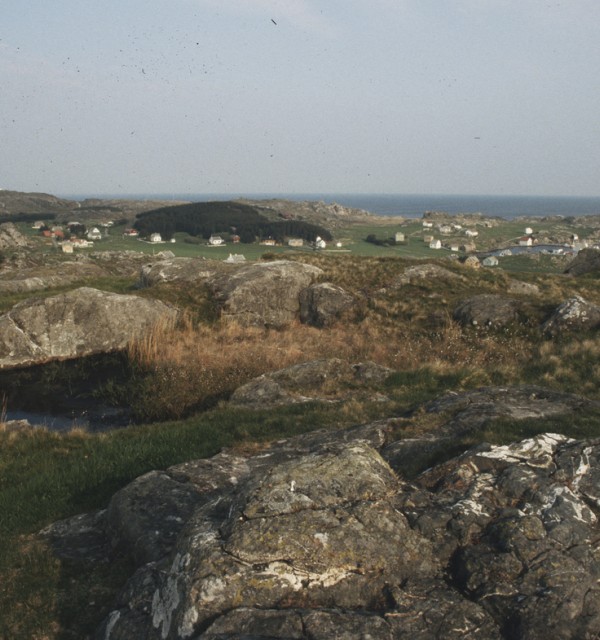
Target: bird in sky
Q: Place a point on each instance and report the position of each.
(273, 21)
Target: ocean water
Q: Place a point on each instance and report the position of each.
(411, 206)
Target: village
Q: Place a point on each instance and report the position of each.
(476, 242)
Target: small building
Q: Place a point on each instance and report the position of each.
(399, 237)
(320, 243)
(528, 231)
(468, 247)
(505, 253)
(67, 247)
(435, 244)
(446, 229)
(471, 233)
(155, 237)
(427, 225)
(94, 234)
(269, 242)
(235, 238)
(454, 247)
(428, 239)
(295, 242)
(38, 224)
(131, 233)
(490, 261)
(215, 241)
(526, 241)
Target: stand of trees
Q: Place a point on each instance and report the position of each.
(207, 218)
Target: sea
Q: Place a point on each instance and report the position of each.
(409, 205)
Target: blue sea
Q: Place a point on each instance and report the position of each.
(411, 206)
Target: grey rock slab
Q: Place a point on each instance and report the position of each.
(486, 311)
(573, 315)
(321, 305)
(263, 294)
(81, 322)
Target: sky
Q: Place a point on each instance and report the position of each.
(300, 96)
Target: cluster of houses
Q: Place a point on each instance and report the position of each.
(78, 237)
(450, 229)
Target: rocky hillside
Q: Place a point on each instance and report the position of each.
(327, 536)
(14, 203)
(444, 484)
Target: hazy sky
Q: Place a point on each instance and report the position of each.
(292, 96)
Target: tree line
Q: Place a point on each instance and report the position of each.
(204, 219)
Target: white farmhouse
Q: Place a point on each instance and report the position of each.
(435, 244)
(155, 237)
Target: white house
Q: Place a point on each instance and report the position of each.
(490, 261)
(427, 225)
(155, 237)
(94, 234)
(295, 242)
(435, 244)
(320, 243)
(399, 237)
(528, 231)
(471, 233)
(215, 241)
(526, 241)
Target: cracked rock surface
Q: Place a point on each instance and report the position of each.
(324, 536)
(319, 537)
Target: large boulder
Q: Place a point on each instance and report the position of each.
(322, 304)
(323, 536)
(263, 294)
(573, 315)
(486, 311)
(75, 324)
(586, 261)
(318, 537)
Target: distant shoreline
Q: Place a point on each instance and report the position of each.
(402, 205)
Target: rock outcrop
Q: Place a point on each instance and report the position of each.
(307, 381)
(428, 271)
(180, 270)
(322, 304)
(586, 261)
(11, 237)
(75, 324)
(573, 315)
(324, 535)
(486, 311)
(60, 275)
(263, 294)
